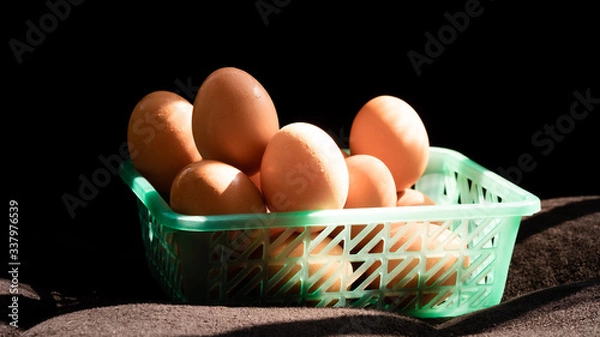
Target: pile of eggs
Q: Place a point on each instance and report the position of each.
(227, 154)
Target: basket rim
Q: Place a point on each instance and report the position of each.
(518, 202)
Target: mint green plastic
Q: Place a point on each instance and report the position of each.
(224, 259)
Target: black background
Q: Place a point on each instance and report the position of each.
(512, 71)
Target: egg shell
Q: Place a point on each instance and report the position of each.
(324, 257)
(412, 197)
(390, 129)
(371, 183)
(303, 169)
(234, 118)
(160, 139)
(211, 187)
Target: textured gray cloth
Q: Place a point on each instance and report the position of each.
(571, 310)
(553, 289)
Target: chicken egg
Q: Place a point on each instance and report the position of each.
(303, 169)
(160, 139)
(233, 119)
(371, 183)
(210, 187)
(390, 129)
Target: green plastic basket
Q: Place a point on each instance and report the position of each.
(229, 260)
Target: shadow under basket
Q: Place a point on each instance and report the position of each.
(443, 260)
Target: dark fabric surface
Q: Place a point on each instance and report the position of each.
(553, 289)
(566, 310)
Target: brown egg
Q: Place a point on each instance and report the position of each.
(441, 240)
(371, 183)
(390, 129)
(303, 169)
(284, 268)
(160, 139)
(234, 118)
(411, 197)
(210, 187)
